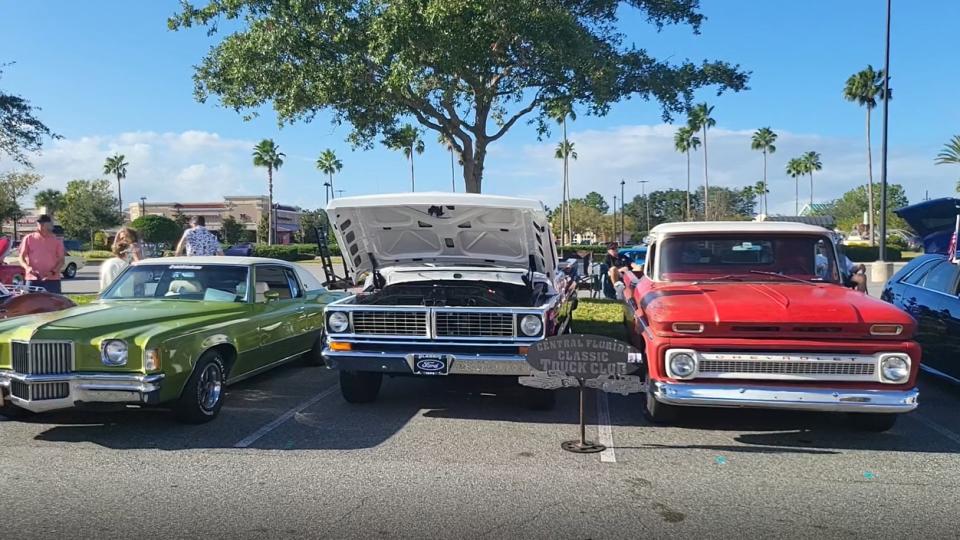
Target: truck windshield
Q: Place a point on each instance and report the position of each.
(753, 257)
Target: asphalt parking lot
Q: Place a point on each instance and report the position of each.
(462, 458)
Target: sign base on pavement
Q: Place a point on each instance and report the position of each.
(586, 447)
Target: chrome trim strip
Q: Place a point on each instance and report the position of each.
(938, 373)
(779, 397)
(86, 388)
(261, 369)
(472, 364)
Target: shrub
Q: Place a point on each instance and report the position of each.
(871, 254)
(289, 252)
(101, 241)
(157, 229)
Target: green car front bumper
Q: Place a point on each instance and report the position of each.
(41, 393)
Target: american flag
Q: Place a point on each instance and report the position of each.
(952, 251)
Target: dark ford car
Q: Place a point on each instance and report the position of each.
(928, 288)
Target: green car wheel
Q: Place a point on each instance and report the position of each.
(202, 397)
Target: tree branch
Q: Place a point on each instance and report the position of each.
(513, 120)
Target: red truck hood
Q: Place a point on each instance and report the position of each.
(773, 309)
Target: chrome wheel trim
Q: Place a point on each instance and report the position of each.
(210, 387)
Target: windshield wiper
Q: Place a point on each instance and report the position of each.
(730, 277)
(774, 274)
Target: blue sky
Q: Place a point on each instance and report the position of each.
(110, 77)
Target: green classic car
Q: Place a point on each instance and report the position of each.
(170, 332)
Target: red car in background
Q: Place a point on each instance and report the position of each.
(10, 274)
(753, 314)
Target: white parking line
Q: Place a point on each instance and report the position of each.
(605, 432)
(942, 430)
(256, 435)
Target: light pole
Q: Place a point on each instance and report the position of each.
(340, 192)
(883, 151)
(327, 188)
(614, 238)
(646, 202)
(623, 199)
(143, 206)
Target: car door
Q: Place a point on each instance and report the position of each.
(306, 320)
(934, 299)
(274, 308)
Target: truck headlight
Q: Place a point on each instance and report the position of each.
(682, 365)
(338, 322)
(113, 352)
(895, 368)
(531, 325)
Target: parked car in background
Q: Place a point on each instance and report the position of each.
(928, 287)
(455, 284)
(167, 332)
(239, 250)
(756, 314)
(73, 263)
(636, 254)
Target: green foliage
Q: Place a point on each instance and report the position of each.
(309, 221)
(287, 252)
(599, 317)
(595, 200)
(81, 299)
(263, 229)
(669, 205)
(865, 87)
(468, 69)
(96, 255)
(101, 242)
(13, 186)
(51, 199)
(232, 230)
(849, 208)
(595, 248)
(950, 155)
(267, 154)
(157, 229)
(872, 253)
(21, 132)
(182, 220)
(89, 206)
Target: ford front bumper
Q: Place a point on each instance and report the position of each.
(402, 363)
(41, 393)
(782, 397)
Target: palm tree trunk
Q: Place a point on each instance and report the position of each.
(706, 180)
(567, 232)
(764, 194)
(271, 234)
(332, 192)
(688, 185)
(413, 183)
(119, 197)
(811, 192)
(869, 183)
(796, 205)
(453, 182)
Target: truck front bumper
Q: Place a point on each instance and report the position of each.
(402, 363)
(41, 393)
(785, 397)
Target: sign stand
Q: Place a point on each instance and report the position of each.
(583, 446)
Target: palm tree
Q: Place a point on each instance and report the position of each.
(49, 199)
(811, 163)
(448, 144)
(560, 110)
(328, 164)
(763, 140)
(865, 88)
(267, 154)
(685, 141)
(116, 165)
(796, 169)
(700, 119)
(407, 139)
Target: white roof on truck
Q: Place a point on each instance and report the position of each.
(720, 227)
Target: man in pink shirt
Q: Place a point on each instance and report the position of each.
(42, 256)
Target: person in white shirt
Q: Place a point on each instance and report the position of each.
(126, 249)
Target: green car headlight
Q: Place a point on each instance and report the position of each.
(113, 352)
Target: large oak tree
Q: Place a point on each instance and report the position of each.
(468, 69)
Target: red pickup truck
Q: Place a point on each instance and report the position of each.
(758, 314)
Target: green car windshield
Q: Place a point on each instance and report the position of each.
(210, 283)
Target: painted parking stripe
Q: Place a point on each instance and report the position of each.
(935, 426)
(605, 432)
(277, 422)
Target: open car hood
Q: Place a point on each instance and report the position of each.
(934, 221)
(378, 231)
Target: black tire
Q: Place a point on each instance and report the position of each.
(70, 271)
(314, 357)
(360, 386)
(875, 422)
(659, 413)
(537, 399)
(202, 397)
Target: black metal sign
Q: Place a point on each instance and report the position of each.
(584, 361)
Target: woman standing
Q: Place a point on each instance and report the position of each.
(126, 250)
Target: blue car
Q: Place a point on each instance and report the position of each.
(928, 288)
(637, 254)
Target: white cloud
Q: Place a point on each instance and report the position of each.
(646, 152)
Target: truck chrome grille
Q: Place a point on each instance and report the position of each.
(787, 366)
(40, 391)
(42, 357)
(390, 323)
(470, 324)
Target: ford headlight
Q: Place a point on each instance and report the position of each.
(682, 365)
(338, 322)
(113, 352)
(531, 325)
(895, 369)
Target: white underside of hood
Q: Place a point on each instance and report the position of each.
(396, 275)
(382, 231)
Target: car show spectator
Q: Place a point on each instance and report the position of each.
(197, 241)
(42, 256)
(126, 249)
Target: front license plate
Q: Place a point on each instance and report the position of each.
(431, 364)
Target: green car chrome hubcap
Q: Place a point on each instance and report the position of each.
(211, 384)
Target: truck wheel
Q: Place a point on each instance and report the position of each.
(70, 271)
(360, 386)
(659, 413)
(537, 399)
(876, 422)
(202, 396)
